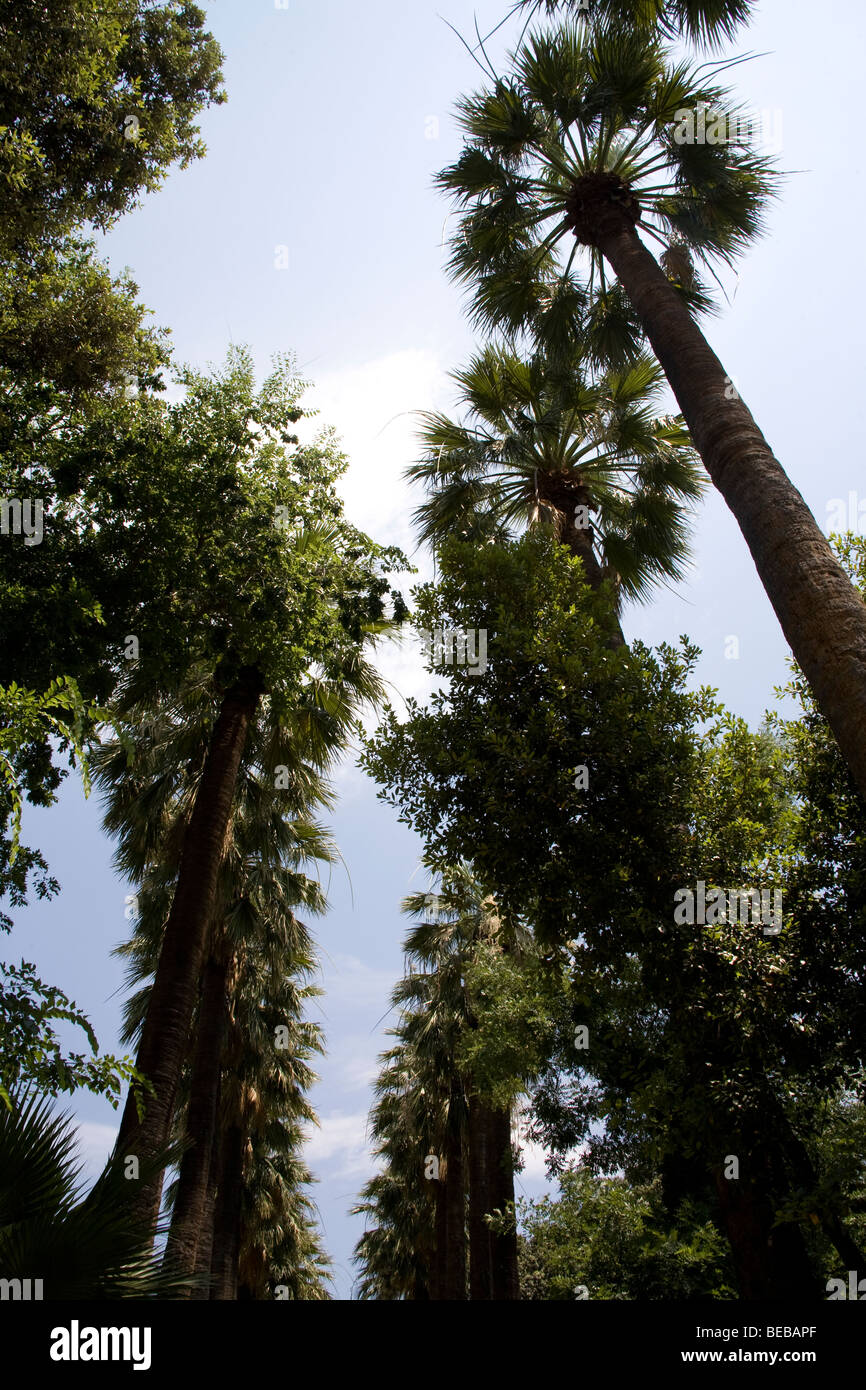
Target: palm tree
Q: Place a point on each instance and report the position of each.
(328, 706)
(551, 441)
(261, 1211)
(461, 919)
(591, 137)
(80, 1245)
(401, 1253)
(259, 882)
(172, 999)
(706, 22)
(428, 1108)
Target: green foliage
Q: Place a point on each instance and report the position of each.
(24, 719)
(72, 337)
(83, 1245)
(584, 108)
(96, 104)
(495, 754)
(543, 438)
(604, 1239)
(516, 1003)
(31, 1053)
(705, 1039)
(139, 527)
(708, 22)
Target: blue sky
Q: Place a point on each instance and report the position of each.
(322, 159)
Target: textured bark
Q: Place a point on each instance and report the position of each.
(821, 613)
(189, 1224)
(506, 1284)
(564, 493)
(480, 1240)
(204, 1249)
(227, 1216)
(437, 1268)
(165, 1035)
(455, 1204)
(770, 1262)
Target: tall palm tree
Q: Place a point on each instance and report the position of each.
(172, 999)
(428, 1108)
(547, 440)
(269, 838)
(593, 136)
(457, 921)
(400, 1253)
(262, 1213)
(328, 706)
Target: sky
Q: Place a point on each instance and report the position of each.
(313, 226)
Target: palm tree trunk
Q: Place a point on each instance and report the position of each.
(165, 1035)
(455, 1204)
(227, 1219)
(480, 1242)
(564, 495)
(204, 1249)
(506, 1284)
(822, 615)
(437, 1270)
(188, 1225)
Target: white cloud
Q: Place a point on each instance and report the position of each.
(349, 984)
(354, 1063)
(340, 1142)
(95, 1142)
(534, 1166)
(373, 407)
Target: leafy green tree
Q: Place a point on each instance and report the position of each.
(30, 1050)
(289, 588)
(590, 138)
(96, 105)
(700, 1049)
(602, 1238)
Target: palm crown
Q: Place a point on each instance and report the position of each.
(546, 442)
(587, 122)
(707, 22)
